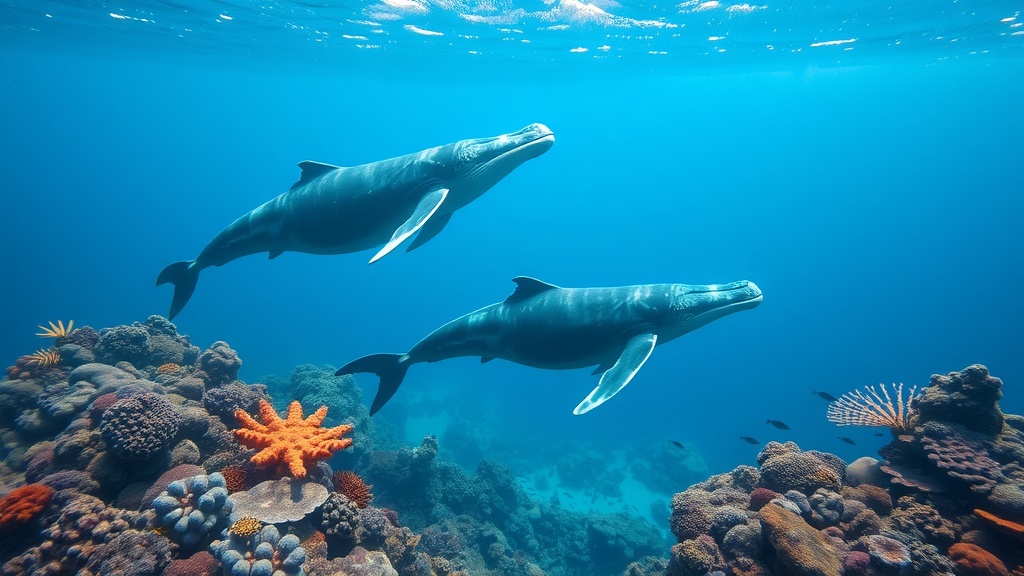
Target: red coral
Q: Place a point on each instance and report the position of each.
(972, 560)
(199, 564)
(23, 504)
(234, 478)
(351, 486)
(761, 496)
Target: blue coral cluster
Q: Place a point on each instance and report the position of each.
(191, 508)
(264, 554)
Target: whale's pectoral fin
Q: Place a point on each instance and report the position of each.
(311, 171)
(637, 351)
(432, 228)
(424, 210)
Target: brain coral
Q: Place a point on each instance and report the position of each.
(139, 427)
(785, 467)
(223, 401)
(191, 508)
(691, 514)
(123, 343)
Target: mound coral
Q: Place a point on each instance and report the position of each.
(22, 505)
(291, 441)
(972, 560)
(339, 518)
(785, 466)
(261, 554)
(801, 549)
(352, 486)
(139, 427)
(191, 508)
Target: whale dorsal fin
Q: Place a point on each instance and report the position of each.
(527, 287)
(311, 171)
(633, 356)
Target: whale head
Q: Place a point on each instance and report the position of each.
(479, 163)
(694, 305)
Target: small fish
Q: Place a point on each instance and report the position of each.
(568, 495)
(824, 395)
(749, 440)
(778, 424)
(847, 440)
(678, 444)
(879, 434)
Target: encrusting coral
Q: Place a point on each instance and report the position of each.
(291, 441)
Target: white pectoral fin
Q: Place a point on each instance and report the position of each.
(424, 210)
(637, 351)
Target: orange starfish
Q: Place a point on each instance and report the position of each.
(291, 441)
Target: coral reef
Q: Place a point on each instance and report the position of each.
(104, 460)
(291, 442)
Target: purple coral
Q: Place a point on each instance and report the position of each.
(131, 553)
(139, 427)
(223, 401)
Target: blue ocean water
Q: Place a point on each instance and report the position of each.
(861, 164)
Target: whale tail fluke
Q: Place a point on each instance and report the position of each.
(184, 276)
(390, 368)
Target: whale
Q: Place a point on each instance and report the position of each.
(546, 326)
(340, 210)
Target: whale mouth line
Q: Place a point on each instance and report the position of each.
(543, 138)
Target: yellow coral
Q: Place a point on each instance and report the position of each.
(246, 526)
(168, 368)
(56, 330)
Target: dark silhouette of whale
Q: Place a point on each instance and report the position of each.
(335, 210)
(544, 326)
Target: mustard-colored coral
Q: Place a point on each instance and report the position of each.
(292, 441)
(246, 526)
(44, 358)
(168, 368)
(57, 330)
